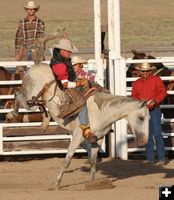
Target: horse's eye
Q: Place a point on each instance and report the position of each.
(141, 118)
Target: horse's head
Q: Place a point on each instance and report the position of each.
(138, 119)
(138, 55)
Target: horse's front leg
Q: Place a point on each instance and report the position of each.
(76, 140)
(45, 121)
(16, 106)
(12, 116)
(94, 151)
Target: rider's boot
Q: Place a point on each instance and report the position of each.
(87, 133)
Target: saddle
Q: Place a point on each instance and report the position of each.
(75, 99)
(74, 102)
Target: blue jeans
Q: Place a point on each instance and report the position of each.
(28, 54)
(155, 135)
(83, 116)
(86, 145)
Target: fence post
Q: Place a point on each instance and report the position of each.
(1, 139)
(121, 126)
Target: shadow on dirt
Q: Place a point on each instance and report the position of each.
(121, 169)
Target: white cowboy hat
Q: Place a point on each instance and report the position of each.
(66, 45)
(145, 67)
(31, 5)
(78, 60)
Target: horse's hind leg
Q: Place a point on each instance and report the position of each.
(95, 149)
(76, 140)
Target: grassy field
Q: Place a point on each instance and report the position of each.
(147, 23)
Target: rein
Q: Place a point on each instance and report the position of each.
(41, 103)
(158, 71)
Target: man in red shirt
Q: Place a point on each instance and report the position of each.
(62, 68)
(151, 88)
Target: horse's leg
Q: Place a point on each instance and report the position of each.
(94, 151)
(16, 106)
(20, 100)
(76, 140)
(45, 121)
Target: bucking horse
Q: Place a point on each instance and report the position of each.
(103, 110)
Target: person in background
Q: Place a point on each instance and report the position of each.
(151, 88)
(62, 68)
(77, 63)
(29, 29)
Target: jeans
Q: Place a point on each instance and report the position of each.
(83, 116)
(87, 146)
(84, 120)
(155, 135)
(28, 54)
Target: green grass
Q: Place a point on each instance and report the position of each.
(81, 32)
(149, 31)
(142, 31)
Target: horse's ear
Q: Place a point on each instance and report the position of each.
(144, 103)
(150, 57)
(134, 51)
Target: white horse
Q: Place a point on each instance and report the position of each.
(103, 110)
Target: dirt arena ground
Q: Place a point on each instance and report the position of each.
(115, 179)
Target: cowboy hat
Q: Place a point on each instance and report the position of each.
(78, 60)
(145, 67)
(66, 44)
(31, 5)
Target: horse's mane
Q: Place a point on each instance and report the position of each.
(103, 99)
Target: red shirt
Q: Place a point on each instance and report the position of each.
(151, 88)
(60, 70)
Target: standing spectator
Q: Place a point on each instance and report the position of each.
(151, 88)
(77, 63)
(29, 29)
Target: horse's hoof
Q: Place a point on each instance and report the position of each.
(57, 185)
(87, 162)
(57, 188)
(53, 186)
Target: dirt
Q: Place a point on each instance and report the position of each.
(115, 179)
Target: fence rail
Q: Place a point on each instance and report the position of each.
(168, 60)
